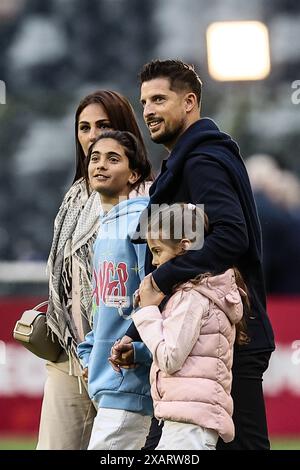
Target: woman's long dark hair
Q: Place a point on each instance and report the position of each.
(121, 117)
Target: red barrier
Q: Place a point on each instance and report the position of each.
(22, 375)
(282, 380)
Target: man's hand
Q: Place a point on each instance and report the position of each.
(122, 354)
(149, 292)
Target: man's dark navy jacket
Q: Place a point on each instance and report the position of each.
(205, 167)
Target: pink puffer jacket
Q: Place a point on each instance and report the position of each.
(192, 346)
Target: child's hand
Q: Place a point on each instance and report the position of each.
(148, 294)
(85, 374)
(122, 354)
(136, 299)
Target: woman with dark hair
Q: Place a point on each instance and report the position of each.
(117, 110)
(67, 412)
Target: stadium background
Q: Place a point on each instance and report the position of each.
(55, 52)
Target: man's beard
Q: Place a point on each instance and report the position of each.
(168, 136)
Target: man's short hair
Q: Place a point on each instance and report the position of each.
(181, 76)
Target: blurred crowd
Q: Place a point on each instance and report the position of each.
(52, 54)
(277, 195)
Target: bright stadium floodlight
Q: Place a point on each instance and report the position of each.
(238, 50)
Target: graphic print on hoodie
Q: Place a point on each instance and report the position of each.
(117, 273)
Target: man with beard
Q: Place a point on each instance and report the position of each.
(205, 167)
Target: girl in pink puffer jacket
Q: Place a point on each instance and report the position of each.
(191, 341)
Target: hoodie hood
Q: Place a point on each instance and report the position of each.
(203, 136)
(203, 132)
(224, 292)
(124, 208)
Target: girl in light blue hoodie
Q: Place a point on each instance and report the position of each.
(116, 166)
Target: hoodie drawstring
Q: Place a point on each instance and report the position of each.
(79, 384)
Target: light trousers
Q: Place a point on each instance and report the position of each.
(119, 430)
(185, 436)
(67, 415)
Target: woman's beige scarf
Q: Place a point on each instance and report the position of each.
(75, 230)
(70, 264)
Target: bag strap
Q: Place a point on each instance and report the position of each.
(28, 317)
(42, 304)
